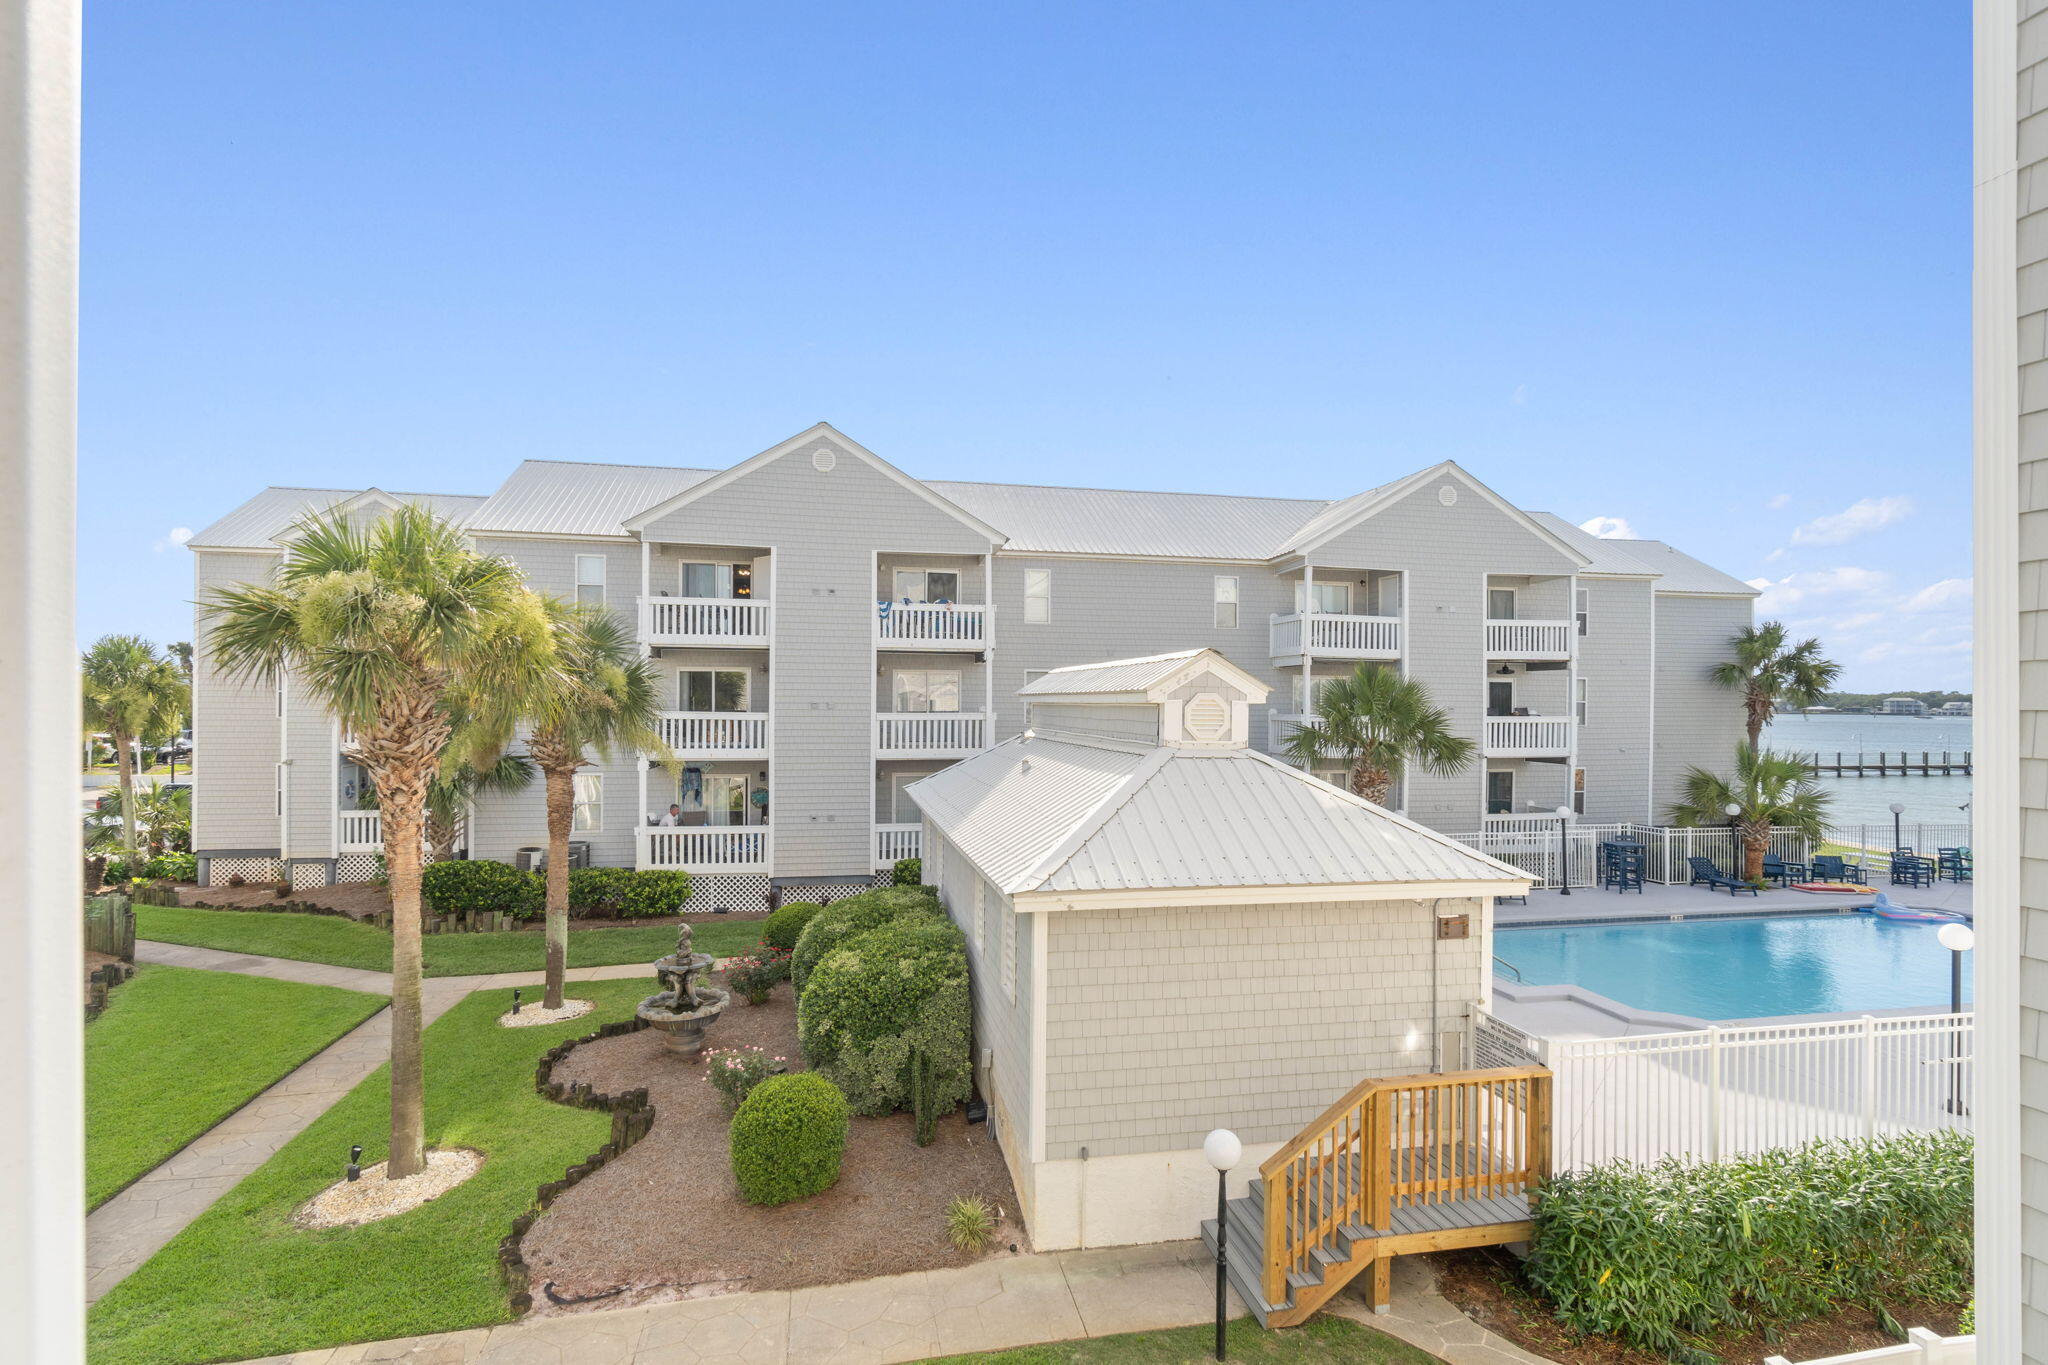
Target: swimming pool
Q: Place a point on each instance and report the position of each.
(1742, 968)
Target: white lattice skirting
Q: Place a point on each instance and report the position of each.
(220, 870)
(357, 867)
(737, 892)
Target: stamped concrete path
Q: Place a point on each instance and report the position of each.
(995, 1305)
(132, 1226)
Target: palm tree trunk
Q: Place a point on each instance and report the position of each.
(1755, 713)
(441, 838)
(561, 782)
(1372, 782)
(124, 767)
(402, 844)
(1754, 844)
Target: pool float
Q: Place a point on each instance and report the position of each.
(1836, 888)
(1889, 909)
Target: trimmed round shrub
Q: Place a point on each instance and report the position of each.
(781, 929)
(907, 872)
(787, 1138)
(482, 885)
(887, 1016)
(842, 920)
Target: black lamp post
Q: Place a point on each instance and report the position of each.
(1898, 831)
(1958, 939)
(1223, 1151)
(1738, 859)
(1564, 850)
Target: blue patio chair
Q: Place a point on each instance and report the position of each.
(1910, 869)
(1827, 867)
(1782, 872)
(1704, 872)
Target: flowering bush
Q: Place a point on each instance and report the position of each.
(737, 1070)
(755, 976)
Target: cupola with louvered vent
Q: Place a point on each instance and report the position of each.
(1194, 699)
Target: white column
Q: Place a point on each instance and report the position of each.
(640, 608)
(988, 647)
(42, 1141)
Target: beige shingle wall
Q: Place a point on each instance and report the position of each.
(234, 727)
(1002, 1022)
(1164, 1024)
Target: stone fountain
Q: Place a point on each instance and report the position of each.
(682, 1010)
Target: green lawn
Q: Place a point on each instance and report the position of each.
(179, 1050)
(1320, 1341)
(345, 943)
(243, 1281)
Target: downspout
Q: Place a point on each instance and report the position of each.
(1436, 1036)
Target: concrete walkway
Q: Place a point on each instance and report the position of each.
(132, 1226)
(994, 1305)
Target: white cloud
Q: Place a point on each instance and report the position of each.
(1609, 528)
(1950, 594)
(1858, 519)
(178, 536)
(1520, 396)
(1885, 635)
(1782, 500)
(1793, 589)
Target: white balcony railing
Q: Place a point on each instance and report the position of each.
(930, 734)
(1528, 737)
(893, 842)
(931, 625)
(362, 831)
(1336, 637)
(715, 734)
(1528, 639)
(736, 621)
(705, 848)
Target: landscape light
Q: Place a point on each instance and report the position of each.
(1222, 1150)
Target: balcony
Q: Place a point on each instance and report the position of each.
(360, 831)
(732, 622)
(1335, 637)
(704, 848)
(931, 625)
(715, 734)
(893, 842)
(930, 734)
(1528, 737)
(1543, 640)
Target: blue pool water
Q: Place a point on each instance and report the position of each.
(1742, 968)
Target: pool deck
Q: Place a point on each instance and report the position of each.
(1572, 1012)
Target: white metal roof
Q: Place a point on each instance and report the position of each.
(1115, 521)
(257, 522)
(1679, 572)
(1072, 816)
(1115, 675)
(1604, 556)
(563, 498)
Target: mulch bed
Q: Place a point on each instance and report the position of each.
(357, 900)
(1487, 1285)
(665, 1220)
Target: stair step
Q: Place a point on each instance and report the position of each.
(1243, 1279)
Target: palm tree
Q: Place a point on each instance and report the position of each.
(163, 817)
(389, 625)
(1769, 790)
(460, 783)
(1377, 723)
(134, 694)
(602, 696)
(1769, 674)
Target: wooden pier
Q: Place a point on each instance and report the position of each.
(1925, 764)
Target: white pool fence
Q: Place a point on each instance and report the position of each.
(1921, 1347)
(1537, 846)
(1727, 1091)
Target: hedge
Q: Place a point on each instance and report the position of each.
(1659, 1255)
(787, 1138)
(177, 867)
(453, 887)
(626, 893)
(907, 872)
(887, 1016)
(786, 925)
(842, 920)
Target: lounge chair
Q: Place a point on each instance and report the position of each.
(1827, 867)
(1704, 871)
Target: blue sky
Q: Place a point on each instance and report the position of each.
(1700, 269)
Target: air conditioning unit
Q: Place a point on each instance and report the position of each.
(579, 853)
(530, 859)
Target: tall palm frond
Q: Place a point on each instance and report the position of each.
(1378, 724)
(1770, 673)
(1768, 790)
(135, 694)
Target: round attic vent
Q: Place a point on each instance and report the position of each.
(1206, 716)
(1447, 495)
(822, 460)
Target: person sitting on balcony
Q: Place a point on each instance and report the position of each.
(670, 817)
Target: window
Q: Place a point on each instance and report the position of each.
(1308, 696)
(1331, 599)
(902, 809)
(589, 802)
(1578, 791)
(1500, 697)
(927, 689)
(1579, 700)
(590, 580)
(715, 580)
(1226, 603)
(927, 585)
(1579, 608)
(1500, 604)
(1009, 914)
(1038, 595)
(1500, 792)
(711, 689)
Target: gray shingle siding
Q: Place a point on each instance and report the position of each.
(1615, 660)
(1002, 1024)
(1698, 723)
(234, 726)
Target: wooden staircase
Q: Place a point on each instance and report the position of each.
(1402, 1164)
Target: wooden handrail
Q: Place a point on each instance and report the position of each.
(1395, 1141)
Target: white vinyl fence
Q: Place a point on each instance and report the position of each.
(1537, 846)
(1726, 1091)
(1872, 844)
(1921, 1347)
